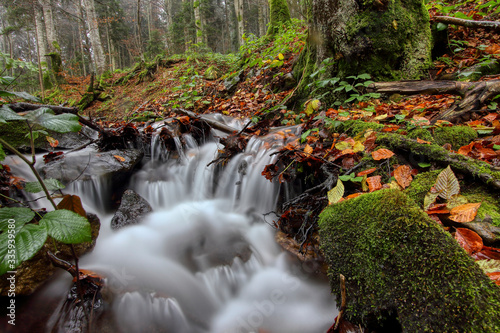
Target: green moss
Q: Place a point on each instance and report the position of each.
(420, 133)
(279, 16)
(14, 132)
(398, 261)
(457, 136)
(421, 185)
(356, 127)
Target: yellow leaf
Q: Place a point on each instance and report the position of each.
(343, 145)
(336, 193)
(119, 158)
(312, 106)
(281, 57)
(358, 146)
(52, 142)
(381, 117)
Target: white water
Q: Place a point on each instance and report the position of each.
(205, 260)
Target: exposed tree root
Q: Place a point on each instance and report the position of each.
(492, 25)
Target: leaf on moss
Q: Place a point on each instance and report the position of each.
(469, 240)
(464, 213)
(403, 176)
(382, 154)
(447, 184)
(336, 193)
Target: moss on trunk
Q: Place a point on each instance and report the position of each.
(279, 16)
(399, 263)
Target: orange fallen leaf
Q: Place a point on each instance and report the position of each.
(52, 142)
(72, 203)
(492, 49)
(495, 277)
(423, 141)
(119, 158)
(464, 213)
(382, 154)
(366, 172)
(403, 176)
(374, 183)
(354, 195)
(469, 240)
(308, 149)
(487, 253)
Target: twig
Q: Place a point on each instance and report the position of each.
(342, 305)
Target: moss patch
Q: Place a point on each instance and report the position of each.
(398, 261)
(421, 185)
(457, 136)
(420, 133)
(356, 127)
(14, 132)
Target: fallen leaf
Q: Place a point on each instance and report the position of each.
(366, 172)
(336, 193)
(495, 277)
(382, 154)
(423, 141)
(308, 149)
(492, 49)
(487, 253)
(52, 142)
(403, 176)
(374, 183)
(72, 203)
(469, 240)
(354, 195)
(447, 184)
(464, 213)
(119, 158)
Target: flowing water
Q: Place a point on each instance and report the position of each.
(205, 260)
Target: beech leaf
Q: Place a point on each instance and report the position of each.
(469, 240)
(382, 154)
(336, 193)
(72, 203)
(447, 184)
(464, 213)
(403, 176)
(374, 183)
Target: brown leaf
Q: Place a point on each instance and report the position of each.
(469, 240)
(403, 176)
(447, 184)
(382, 154)
(72, 203)
(119, 158)
(492, 49)
(308, 149)
(487, 253)
(374, 183)
(464, 213)
(495, 277)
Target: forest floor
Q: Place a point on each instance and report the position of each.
(332, 136)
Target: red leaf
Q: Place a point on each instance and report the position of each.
(469, 240)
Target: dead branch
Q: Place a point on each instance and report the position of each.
(22, 107)
(482, 170)
(492, 25)
(343, 300)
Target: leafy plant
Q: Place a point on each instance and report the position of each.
(23, 234)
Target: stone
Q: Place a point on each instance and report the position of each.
(132, 210)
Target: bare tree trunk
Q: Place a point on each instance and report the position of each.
(81, 34)
(262, 20)
(240, 18)
(197, 22)
(40, 37)
(139, 28)
(37, 37)
(49, 24)
(95, 38)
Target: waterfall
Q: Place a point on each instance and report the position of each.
(205, 260)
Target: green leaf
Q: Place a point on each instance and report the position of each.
(447, 184)
(424, 165)
(36, 134)
(67, 227)
(26, 243)
(489, 265)
(6, 113)
(345, 178)
(357, 179)
(51, 184)
(61, 123)
(482, 132)
(364, 76)
(20, 215)
(441, 26)
(336, 193)
(496, 147)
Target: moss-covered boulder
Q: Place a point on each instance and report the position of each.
(456, 136)
(398, 263)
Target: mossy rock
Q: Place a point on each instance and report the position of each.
(421, 185)
(457, 136)
(356, 127)
(398, 263)
(420, 133)
(14, 132)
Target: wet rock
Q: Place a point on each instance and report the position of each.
(231, 82)
(488, 232)
(32, 273)
(132, 209)
(88, 163)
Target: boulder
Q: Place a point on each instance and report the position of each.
(88, 163)
(32, 273)
(132, 209)
(403, 270)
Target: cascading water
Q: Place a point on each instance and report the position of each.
(206, 260)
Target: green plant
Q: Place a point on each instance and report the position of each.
(352, 177)
(22, 233)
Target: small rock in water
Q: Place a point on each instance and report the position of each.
(132, 209)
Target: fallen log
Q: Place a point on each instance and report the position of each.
(22, 107)
(475, 94)
(492, 25)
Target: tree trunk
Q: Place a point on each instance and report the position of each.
(38, 50)
(390, 40)
(139, 28)
(81, 34)
(49, 24)
(279, 16)
(95, 38)
(197, 22)
(262, 18)
(240, 18)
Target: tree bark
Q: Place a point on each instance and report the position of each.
(41, 36)
(492, 25)
(240, 19)
(95, 38)
(279, 15)
(197, 22)
(38, 52)
(49, 24)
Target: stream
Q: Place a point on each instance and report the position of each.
(204, 261)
